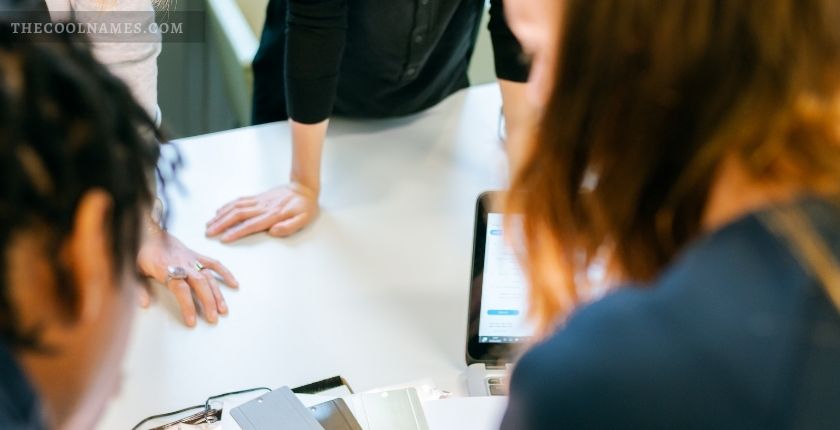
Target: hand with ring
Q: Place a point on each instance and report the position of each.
(186, 274)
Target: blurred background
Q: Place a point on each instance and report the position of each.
(206, 87)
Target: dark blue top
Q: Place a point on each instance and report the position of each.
(735, 335)
(19, 407)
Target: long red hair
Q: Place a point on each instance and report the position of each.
(649, 98)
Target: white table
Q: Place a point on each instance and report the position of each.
(375, 290)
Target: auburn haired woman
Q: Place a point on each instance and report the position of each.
(693, 148)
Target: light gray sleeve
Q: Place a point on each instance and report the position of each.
(134, 60)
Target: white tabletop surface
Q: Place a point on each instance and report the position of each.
(375, 290)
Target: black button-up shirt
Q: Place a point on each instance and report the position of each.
(371, 58)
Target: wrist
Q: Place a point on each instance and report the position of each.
(307, 144)
(152, 228)
(309, 188)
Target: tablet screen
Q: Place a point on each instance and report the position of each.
(498, 324)
(503, 294)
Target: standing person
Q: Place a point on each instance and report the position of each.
(75, 188)
(162, 256)
(694, 147)
(361, 59)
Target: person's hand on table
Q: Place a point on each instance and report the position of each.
(281, 212)
(160, 253)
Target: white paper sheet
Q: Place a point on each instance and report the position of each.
(465, 413)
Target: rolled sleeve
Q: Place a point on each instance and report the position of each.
(317, 32)
(507, 51)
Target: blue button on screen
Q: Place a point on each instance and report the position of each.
(511, 312)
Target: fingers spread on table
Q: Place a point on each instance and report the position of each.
(218, 267)
(221, 305)
(205, 296)
(183, 294)
(242, 202)
(289, 226)
(251, 226)
(232, 218)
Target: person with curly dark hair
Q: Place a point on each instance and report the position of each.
(196, 288)
(77, 155)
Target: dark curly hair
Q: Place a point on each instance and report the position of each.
(67, 126)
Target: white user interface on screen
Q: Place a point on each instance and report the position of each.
(503, 291)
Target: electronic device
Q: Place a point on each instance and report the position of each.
(335, 415)
(497, 325)
(390, 410)
(279, 409)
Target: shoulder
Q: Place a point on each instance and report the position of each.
(59, 9)
(112, 5)
(629, 356)
(588, 372)
(639, 330)
(58, 6)
(624, 320)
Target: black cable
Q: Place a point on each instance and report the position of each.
(154, 417)
(233, 393)
(206, 405)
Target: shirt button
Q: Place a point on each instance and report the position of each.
(424, 2)
(419, 39)
(411, 71)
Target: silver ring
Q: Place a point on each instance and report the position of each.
(175, 273)
(198, 266)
